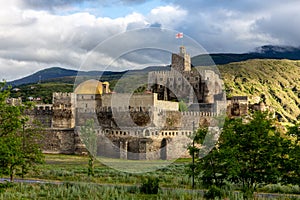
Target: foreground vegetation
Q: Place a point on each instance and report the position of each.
(68, 179)
(252, 152)
(20, 150)
(88, 191)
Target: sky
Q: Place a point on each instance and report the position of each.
(38, 34)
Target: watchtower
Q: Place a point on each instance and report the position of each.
(182, 61)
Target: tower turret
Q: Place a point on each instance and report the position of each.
(182, 61)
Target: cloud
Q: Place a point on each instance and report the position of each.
(38, 38)
(42, 4)
(240, 26)
(32, 36)
(167, 16)
(282, 25)
(61, 4)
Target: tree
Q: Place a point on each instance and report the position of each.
(292, 169)
(89, 138)
(19, 149)
(32, 155)
(250, 151)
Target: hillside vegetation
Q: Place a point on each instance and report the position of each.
(275, 82)
(43, 91)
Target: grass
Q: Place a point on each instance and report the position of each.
(87, 191)
(74, 168)
(68, 174)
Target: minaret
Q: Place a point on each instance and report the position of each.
(182, 61)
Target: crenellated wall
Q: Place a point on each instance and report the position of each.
(41, 113)
(63, 109)
(135, 126)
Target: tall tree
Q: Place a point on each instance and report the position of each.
(250, 151)
(292, 168)
(19, 149)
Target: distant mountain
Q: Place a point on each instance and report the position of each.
(57, 74)
(45, 74)
(264, 52)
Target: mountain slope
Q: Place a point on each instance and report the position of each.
(61, 75)
(45, 74)
(264, 52)
(276, 82)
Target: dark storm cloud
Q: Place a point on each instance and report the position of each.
(51, 4)
(239, 26)
(31, 38)
(44, 4)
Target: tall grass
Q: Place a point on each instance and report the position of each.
(86, 191)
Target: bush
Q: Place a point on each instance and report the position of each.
(214, 192)
(278, 188)
(150, 185)
(5, 185)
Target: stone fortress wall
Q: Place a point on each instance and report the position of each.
(137, 126)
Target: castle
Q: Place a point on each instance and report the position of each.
(134, 126)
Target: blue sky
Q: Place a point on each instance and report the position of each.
(37, 34)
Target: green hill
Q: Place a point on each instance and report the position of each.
(276, 82)
(43, 91)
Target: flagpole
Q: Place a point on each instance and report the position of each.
(182, 41)
(180, 36)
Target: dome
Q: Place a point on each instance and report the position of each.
(92, 87)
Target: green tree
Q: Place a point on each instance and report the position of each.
(89, 137)
(19, 149)
(292, 164)
(250, 151)
(31, 135)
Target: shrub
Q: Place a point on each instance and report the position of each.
(150, 185)
(214, 192)
(5, 185)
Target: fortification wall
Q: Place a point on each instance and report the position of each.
(58, 141)
(63, 110)
(42, 114)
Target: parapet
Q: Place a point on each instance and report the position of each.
(61, 95)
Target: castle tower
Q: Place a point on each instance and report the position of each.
(63, 109)
(182, 61)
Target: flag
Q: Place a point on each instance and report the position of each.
(179, 35)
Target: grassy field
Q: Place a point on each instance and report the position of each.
(68, 179)
(74, 168)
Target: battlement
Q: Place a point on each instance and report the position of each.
(199, 114)
(14, 101)
(44, 107)
(62, 95)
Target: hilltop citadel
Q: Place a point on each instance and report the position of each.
(140, 126)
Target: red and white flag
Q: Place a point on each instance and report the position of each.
(179, 35)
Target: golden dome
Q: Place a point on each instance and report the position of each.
(92, 87)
